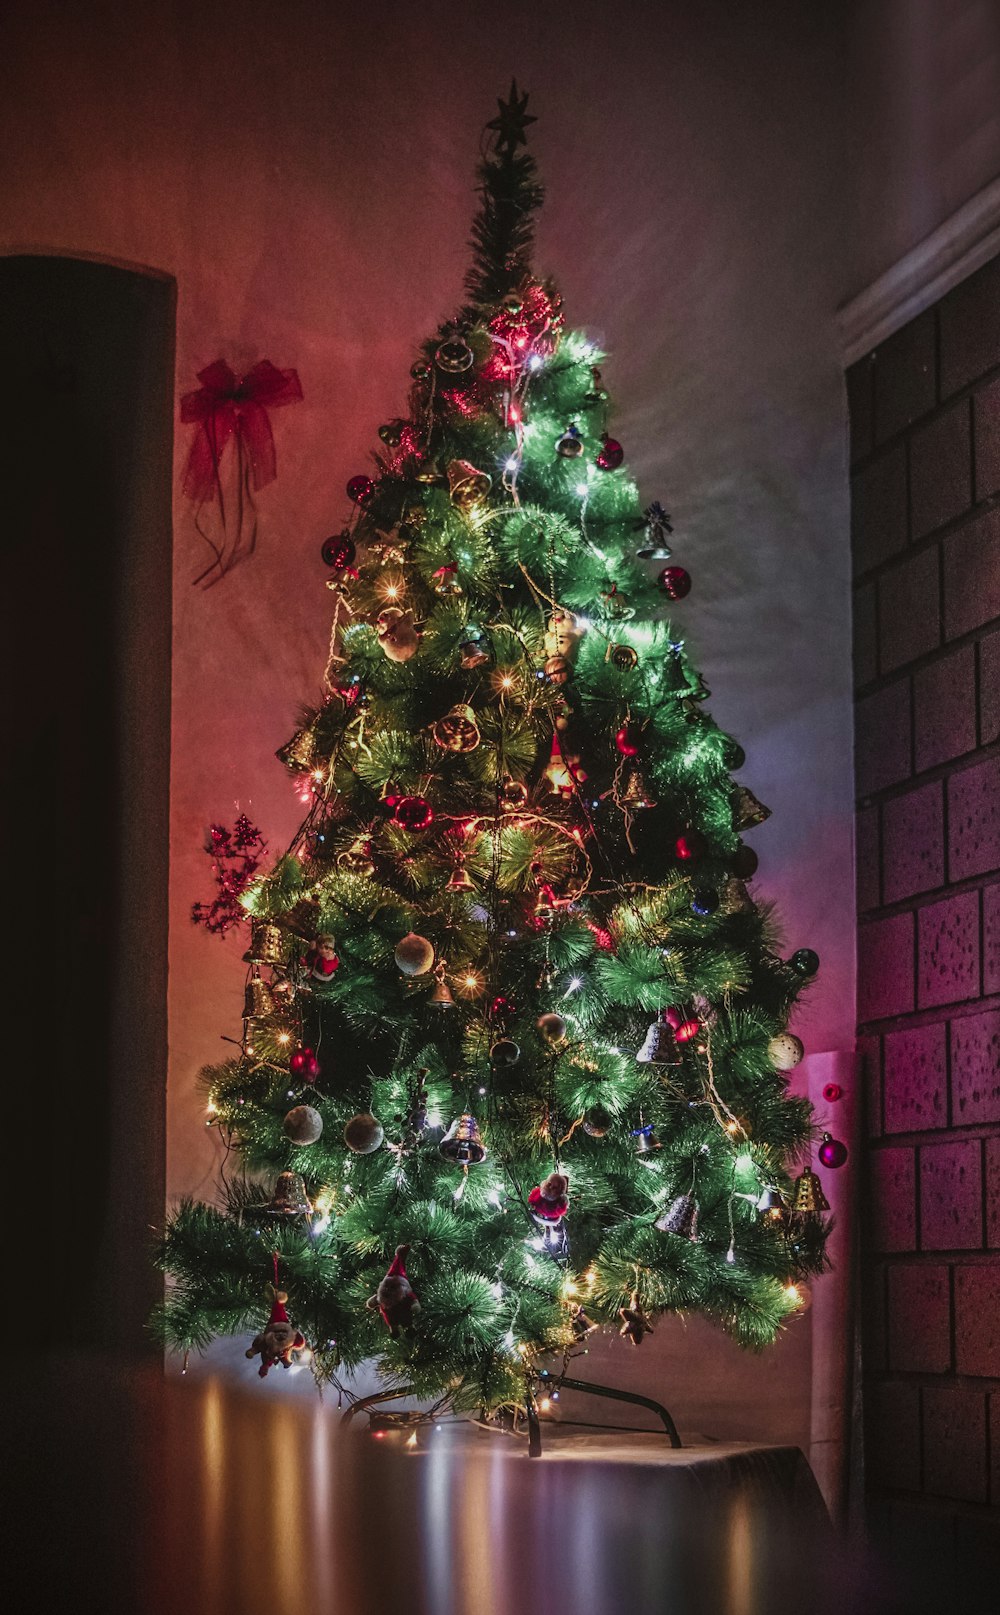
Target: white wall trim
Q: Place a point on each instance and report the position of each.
(954, 250)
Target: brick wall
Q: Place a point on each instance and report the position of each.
(925, 456)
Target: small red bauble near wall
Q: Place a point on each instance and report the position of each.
(832, 1092)
(360, 490)
(675, 582)
(338, 551)
(610, 455)
(832, 1152)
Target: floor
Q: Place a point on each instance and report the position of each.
(154, 1497)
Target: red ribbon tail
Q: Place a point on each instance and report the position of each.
(201, 477)
(254, 428)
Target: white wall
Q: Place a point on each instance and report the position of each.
(922, 121)
(304, 170)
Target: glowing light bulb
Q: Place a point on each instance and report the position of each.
(508, 1339)
(494, 1199)
(284, 1037)
(582, 490)
(512, 463)
(411, 1439)
(730, 1256)
(744, 1162)
(545, 1404)
(535, 362)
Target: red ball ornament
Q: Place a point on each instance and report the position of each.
(610, 456)
(832, 1152)
(682, 1023)
(501, 1008)
(304, 1065)
(832, 1092)
(338, 551)
(675, 582)
(627, 740)
(413, 812)
(690, 845)
(360, 489)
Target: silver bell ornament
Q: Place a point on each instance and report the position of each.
(660, 1047)
(772, 1206)
(681, 1218)
(289, 1198)
(463, 1142)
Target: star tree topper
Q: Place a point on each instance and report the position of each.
(513, 120)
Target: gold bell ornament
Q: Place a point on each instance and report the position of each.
(467, 486)
(258, 999)
(636, 795)
(458, 730)
(748, 811)
(463, 1142)
(808, 1199)
(265, 944)
(441, 997)
(289, 1198)
(460, 880)
(357, 858)
(299, 753)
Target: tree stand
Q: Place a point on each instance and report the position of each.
(364, 1403)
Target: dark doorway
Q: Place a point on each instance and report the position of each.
(85, 470)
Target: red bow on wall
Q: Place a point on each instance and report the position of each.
(229, 406)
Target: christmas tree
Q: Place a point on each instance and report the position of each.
(515, 1049)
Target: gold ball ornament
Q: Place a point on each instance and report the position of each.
(552, 1027)
(302, 1125)
(364, 1134)
(414, 955)
(785, 1051)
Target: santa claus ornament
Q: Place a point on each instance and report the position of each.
(549, 1201)
(321, 959)
(395, 1297)
(279, 1339)
(397, 634)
